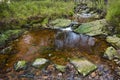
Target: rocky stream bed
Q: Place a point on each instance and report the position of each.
(64, 51)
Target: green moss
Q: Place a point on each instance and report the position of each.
(61, 22)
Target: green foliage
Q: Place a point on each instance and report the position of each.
(4, 8)
(9, 35)
(113, 12)
(18, 13)
(24, 9)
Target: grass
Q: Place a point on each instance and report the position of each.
(24, 9)
(113, 12)
(18, 13)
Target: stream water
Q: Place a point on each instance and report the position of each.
(57, 46)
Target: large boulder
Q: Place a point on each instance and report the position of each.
(114, 40)
(58, 23)
(83, 66)
(93, 28)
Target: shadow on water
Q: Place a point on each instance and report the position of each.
(57, 46)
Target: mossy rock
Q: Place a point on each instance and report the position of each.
(20, 65)
(93, 28)
(40, 63)
(83, 66)
(111, 53)
(114, 40)
(60, 67)
(58, 23)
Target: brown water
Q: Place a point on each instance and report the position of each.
(55, 45)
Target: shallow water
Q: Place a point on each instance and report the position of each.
(57, 46)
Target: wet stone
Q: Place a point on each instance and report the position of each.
(83, 66)
(28, 75)
(20, 65)
(40, 63)
(114, 40)
(111, 53)
(93, 28)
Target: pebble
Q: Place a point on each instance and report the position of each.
(93, 75)
(59, 74)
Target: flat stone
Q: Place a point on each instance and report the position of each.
(20, 65)
(40, 63)
(93, 28)
(58, 23)
(83, 66)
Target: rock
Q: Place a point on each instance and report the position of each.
(93, 75)
(40, 63)
(83, 18)
(114, 40)
(20, 65)
(58, 23)
(83, 66)
(93, 28)
(117, 69)
(60, 68)
(6, 50)
(111, 53)
(28, 75)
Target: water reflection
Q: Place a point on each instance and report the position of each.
(69, 39)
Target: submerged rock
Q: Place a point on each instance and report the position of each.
(83, 66)
(111, 53)
(40, 63)
(93, 28)
(27, 75)
(60, 68)
(6, 50)
(20, 65)
(60, 23)
(114, 40)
